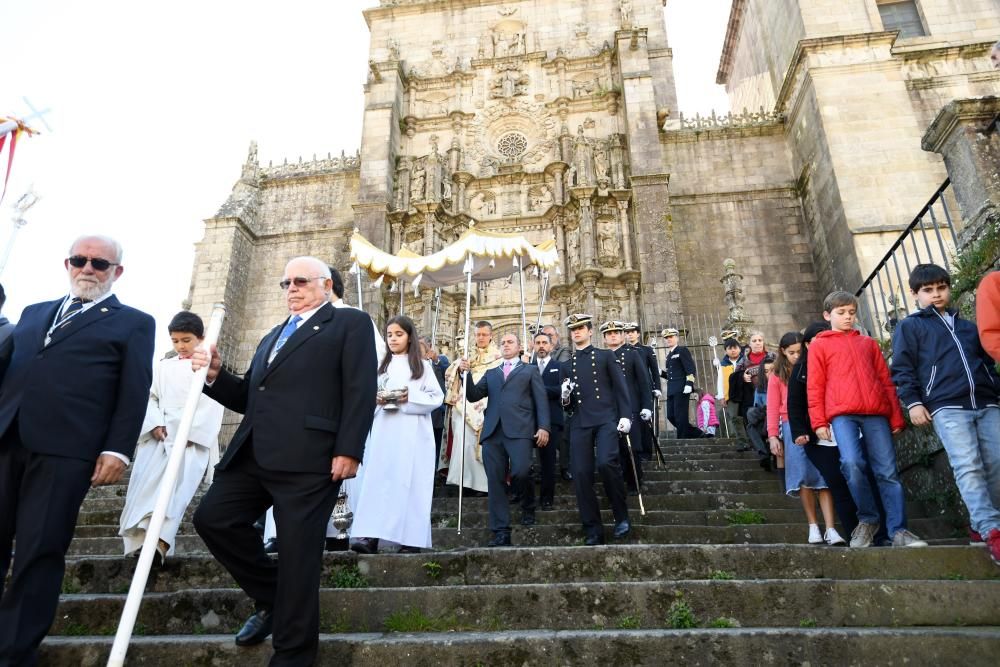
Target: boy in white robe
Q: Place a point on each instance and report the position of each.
(167, 396)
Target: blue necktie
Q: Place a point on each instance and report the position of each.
(283, 337)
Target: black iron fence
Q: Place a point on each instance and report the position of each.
(884, 297)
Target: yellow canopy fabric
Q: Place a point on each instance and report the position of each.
(492, 256)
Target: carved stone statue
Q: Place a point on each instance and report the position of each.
(509, 83)
(601, 164)
(582, 158)
(608, 248)
(541, 199)
(625, 6)
(573, 246)
(446, 188)
(570, 177)
(417, 184)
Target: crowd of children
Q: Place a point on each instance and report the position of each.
(829, 405)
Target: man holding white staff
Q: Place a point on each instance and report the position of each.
(594, 389)
(72, 401)
(308, 400)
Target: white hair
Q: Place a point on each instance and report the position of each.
(322, 268)
(115, 245)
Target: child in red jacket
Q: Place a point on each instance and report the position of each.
(851, 393)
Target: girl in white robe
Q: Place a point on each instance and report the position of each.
(167, 395)
(393, 500)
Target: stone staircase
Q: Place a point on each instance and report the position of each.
(717, 572)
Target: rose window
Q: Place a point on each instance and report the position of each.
(512, 145)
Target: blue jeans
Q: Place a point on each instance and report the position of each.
(972, 440)
(875, 451)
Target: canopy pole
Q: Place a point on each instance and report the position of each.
(358, 276)
(541, 305)
(524, 315)
(434, 320)
(402, 296)
(465, 387)
(165, 493)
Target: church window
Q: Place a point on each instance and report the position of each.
(512, 145)
(902, 16)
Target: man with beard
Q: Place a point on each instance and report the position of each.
(72, 401)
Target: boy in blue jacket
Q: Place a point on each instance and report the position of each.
(945, 378)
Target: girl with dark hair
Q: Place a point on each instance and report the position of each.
(802, 479)
(397, 479)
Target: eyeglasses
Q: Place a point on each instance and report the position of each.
(299, 281)
(79, 261)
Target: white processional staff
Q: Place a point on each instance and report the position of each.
(21, 206)
(434, 321)
(524, 317)
(469, 264)
(166, 492)
(719, 394)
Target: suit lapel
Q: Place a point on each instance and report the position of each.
(321, 319)
(78, 323)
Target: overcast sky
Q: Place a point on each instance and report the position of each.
(154, 106)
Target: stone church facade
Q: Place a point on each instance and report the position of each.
(558, 120)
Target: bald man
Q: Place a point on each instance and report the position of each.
(308, 400)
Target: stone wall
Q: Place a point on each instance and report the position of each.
(733, 195)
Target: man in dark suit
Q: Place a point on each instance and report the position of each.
(648, 356)
(72, 402)
(593, 388)
(550, 370)
(562, 354)
(308, 399)
(640, 396)
(439, 364)
(679, 374)
(516, 415)
(6, 329)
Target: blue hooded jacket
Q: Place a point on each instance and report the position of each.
(938, 366)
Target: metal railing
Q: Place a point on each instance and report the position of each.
(931, 237)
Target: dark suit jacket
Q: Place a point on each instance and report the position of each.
(550, 379)
(439, 367)
(316, 400)
(86, 392)
(680, 364)
(636, 377)
(517, 407)
(648, 356)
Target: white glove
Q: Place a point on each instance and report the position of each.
(646, 415)
(716, 362)
(624, 425)
(567, 389)
(687, 389)
(657, 393)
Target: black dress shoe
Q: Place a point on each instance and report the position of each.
(365, 545)
(622, 528)
(409, 550)
(593, 540)
(566, 475)
(528, 518)
(500, 539)
(256, 629)
(271, 547)
(333, 544)
(546, 504)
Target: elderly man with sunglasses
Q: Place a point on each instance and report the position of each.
(72, 401)
(307, 401)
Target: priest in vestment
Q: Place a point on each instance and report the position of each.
(467, 417)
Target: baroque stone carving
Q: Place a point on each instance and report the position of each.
(608, 248)
(625, 7)
(518, 114)
(730, 120)
(483, 204)
(509, 82)
(539, 198)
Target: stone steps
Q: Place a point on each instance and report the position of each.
(585, 648)
(568, 535)
(627, 562)
(671, 593)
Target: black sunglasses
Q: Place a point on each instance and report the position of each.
(79, 261)
(299, 281)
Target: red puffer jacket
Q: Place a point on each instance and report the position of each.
(848, 376)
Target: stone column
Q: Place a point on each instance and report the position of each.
(556, 170)
(626, 232)
(967, 134)
(587, 235)
(429, 218)
(397, 237)
(463, 178)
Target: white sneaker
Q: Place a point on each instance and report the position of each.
(904, 538)
(814, 535)
(833, 538)
(863, 535)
